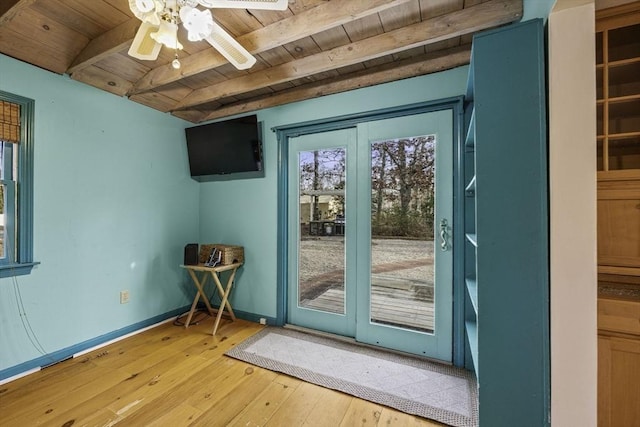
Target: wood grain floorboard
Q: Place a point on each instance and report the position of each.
(172, 376)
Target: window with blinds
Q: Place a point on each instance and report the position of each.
(9, 135)
(9, 122)
(16, 172)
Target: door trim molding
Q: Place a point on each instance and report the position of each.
(285, 132)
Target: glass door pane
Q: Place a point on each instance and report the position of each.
(624, 153)
(321, 247)
(624, 117)
(405, 275)
(623, 80)
(624, 43)
(321, 272)
(402, 232)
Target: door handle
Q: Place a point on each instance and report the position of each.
(444, 235)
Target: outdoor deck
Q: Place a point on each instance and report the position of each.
(397, 302)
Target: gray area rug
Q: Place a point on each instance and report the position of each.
(409, 384)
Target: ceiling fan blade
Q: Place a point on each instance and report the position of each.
(230, 49)
(246, 4)
(143, 46)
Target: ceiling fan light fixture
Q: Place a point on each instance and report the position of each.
(198, 23)
(167, 34)
(145, 6)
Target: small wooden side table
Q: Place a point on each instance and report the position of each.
(222, 291)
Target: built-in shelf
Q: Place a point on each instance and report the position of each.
(626, 98)
(508, 80)
(470, 190)
(470, 141)
(618, 92)
(628, 61)
(469, 95)
(472, 238)
(615, 136)
(472, 337)
(471, 311)
(619, 175)
(472, 290)
(624, 271)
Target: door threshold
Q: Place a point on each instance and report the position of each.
(351, 340)
(321, 333)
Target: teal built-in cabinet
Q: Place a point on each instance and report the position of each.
(506, 227)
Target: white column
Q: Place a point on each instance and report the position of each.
(572, 173)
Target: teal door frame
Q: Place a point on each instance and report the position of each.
(285, 132)
(437, 344)
(339, 323)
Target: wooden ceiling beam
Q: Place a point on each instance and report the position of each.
(312, 21)
(479, 17)
(10, 8)
(192, 116)
(411, 67)
(112, 41)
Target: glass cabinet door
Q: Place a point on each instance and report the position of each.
(618, 97)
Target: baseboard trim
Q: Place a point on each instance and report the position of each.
(252, 317)
(34, 365)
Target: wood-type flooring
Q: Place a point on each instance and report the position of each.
(172, 376)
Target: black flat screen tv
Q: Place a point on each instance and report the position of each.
(231, 147)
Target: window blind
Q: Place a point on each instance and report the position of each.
(9, 122)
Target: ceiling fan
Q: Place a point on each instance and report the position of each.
(160, 19)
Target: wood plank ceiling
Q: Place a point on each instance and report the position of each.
(314, 48)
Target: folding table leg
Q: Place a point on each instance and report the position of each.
(199, 294)
(224, 294)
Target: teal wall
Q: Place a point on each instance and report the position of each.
(113, 208)
(114, 205)
(244, 212)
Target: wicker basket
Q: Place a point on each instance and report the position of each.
(230, 254)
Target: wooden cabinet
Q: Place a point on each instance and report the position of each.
(619, 382)
(618, 139)
(619, 223)
(618, 363)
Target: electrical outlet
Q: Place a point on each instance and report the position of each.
(124, 297)
(263, 321)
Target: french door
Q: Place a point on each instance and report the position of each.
(369, 233)
(322, 198)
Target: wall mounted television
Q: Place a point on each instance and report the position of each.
(230, 149)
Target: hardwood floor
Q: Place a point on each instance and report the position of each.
(171, 376)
